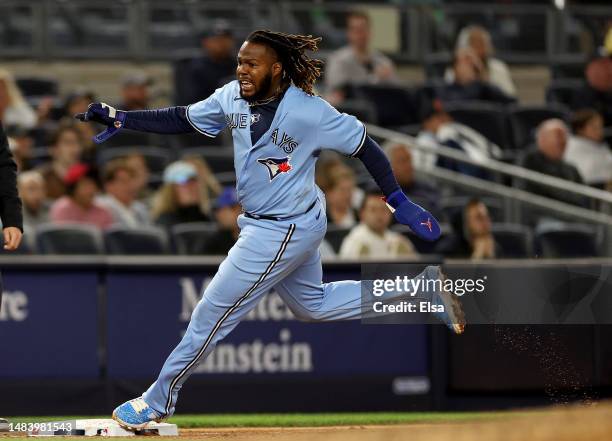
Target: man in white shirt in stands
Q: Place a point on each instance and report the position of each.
(587, 151)
(356, 63)
(372, 237)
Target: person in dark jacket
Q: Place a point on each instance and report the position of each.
(10, 204)
(473, 238)
(10, 209)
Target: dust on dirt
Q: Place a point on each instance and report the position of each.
(561, 423)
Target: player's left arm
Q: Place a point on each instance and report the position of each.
(346, 134)
(205, 117)
(423, 223)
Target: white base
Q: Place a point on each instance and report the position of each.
(110, 427)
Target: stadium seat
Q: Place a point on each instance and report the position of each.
(190, 238)
(563, 91)
(514, 239)
(568, 66)
(69, 239)
(335, 235)
(394, 105)
(157, 158)
(525, 119)
(569, 240)
(488, 119)
(130, 241)
(436, 63)
(220, 160)
(37, 87)
(361, 109)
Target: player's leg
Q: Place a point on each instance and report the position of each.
(311, 300)
(260, 258)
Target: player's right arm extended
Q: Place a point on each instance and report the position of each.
(170, 120)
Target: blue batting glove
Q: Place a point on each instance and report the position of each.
(420, 221)
(104, 114)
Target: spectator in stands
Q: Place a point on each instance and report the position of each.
(135, 91)
(178, 200)
(496, 72)
(209, 186)
(470, 81)
(338, 183)
(14, 109)
(356, 63)
(21, 145)
(66, 149)
(31, 187)
(587, 151)
(79, 205)
(227, 210)
(597, 93)
(120, 188)
(400, 158)
(138, 164)
(439, 128)
(206, 73)
(372, 237)
(77, 102)
(473, 238)
(551, 138)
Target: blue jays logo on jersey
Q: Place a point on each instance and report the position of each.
(276, 166)
(255, 117)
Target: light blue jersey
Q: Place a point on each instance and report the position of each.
(275, 177)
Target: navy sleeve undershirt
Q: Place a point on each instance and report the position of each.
(378, 165)
(171, 120)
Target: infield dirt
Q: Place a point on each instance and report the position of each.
(568, 423)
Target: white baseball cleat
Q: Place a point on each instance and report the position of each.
(4, 425)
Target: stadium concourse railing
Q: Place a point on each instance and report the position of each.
(158, 29)
(514, 197)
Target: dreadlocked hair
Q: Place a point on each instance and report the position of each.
(298, 67)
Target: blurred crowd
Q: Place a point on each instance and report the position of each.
(66, 179)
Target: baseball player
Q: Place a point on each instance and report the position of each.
(279, 128)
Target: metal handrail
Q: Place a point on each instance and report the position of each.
(495, 166)
(562, 208)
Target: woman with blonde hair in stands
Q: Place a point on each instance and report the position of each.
(14, 110)
(497, 72)
(209, 185)
(184, 197)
